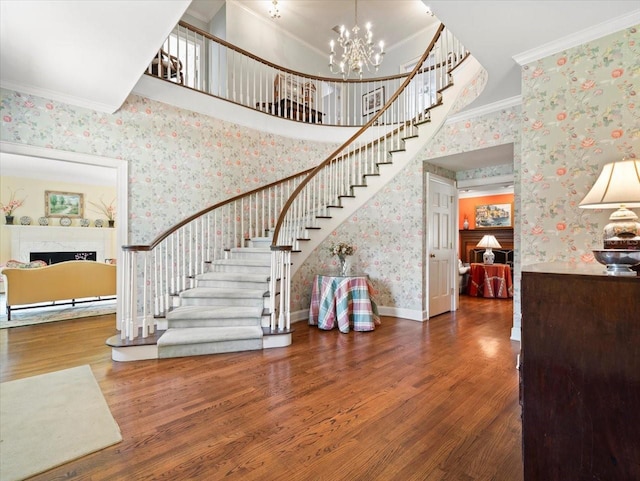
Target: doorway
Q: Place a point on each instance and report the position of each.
(23, 160)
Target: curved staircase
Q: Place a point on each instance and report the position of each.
(231, 304)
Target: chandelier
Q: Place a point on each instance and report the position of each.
(358, 52)
(274, 11)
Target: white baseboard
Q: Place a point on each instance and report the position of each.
(134, 353)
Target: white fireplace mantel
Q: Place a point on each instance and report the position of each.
(27, 239)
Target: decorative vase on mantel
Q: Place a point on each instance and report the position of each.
(8, 219)
(111, 223)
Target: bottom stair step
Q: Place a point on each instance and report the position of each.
(197, 341)
(211, 316)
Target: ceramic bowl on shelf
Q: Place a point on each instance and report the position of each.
(43, 221)
(85, 222)
(25, 220)
(65, 221)
(98, 223)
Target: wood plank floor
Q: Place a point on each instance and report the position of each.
(410, 401)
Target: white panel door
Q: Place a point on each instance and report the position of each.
(440, 246)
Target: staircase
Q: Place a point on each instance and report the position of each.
(226, 311)
(230, 306)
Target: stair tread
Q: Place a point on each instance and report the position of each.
(251, 249)
(197, 335)
(218, 312)
(232, 276)
(222, 291)
(243, 262)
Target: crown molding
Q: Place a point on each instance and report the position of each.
(485, 109)
(579, 38)
(58, 97)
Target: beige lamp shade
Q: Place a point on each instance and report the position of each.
(618, 185)
(489, 242)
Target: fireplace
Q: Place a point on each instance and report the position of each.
(28, 240)
(55, 257)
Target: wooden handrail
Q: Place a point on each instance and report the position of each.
(284, 69)
(173, 229)
(366, 126)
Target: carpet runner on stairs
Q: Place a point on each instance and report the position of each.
(226, 309)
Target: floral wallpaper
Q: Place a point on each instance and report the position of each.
(180, 161)
(388, 230)
(580, 111)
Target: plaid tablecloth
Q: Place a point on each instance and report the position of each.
(346, 301)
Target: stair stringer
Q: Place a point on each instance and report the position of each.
(461, 77)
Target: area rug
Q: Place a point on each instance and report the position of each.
(51, 419)
(39, 315)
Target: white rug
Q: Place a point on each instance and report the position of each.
(39, 315)
(50, 419)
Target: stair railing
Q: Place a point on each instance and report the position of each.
(198, 60)
(156, 273)
(347, 168)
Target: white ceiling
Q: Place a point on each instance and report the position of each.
(92, 53)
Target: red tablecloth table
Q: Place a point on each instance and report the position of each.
(490, 280)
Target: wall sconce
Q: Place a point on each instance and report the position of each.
(489, 242)
(618, 187)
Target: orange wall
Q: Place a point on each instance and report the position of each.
(468, 206)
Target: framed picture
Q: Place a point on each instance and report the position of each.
(372, 101)
(63, 204)
(494, 215)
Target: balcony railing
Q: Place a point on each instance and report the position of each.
(201, 61)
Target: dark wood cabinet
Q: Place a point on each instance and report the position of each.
(580, 377)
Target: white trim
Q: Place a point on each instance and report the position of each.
(578, 38)
(134, 353)
(276, 340)
(485, 109)
(498, 179)
(411, 314)
(122, 183)
(59, 97)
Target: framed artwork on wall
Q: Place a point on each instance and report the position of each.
(372, 101)
(494, 215)
(63, 204)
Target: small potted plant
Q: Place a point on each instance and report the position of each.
(12, 205)
(108, 210)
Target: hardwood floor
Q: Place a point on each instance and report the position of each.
(410, 401)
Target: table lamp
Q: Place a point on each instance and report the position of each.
(488, 242)
(618, 187)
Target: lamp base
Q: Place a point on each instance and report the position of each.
(488, 257)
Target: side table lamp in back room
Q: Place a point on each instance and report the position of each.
(489, 242)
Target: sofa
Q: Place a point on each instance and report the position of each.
(70, 282)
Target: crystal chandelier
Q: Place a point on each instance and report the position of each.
(274, 11)
(357, 52)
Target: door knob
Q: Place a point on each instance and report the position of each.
(432, 255)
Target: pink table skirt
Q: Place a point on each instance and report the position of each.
(346, 301)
